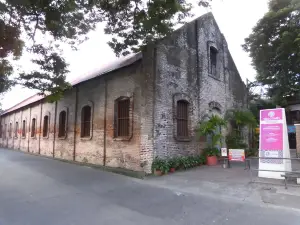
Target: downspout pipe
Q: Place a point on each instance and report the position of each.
(40, 131)
(29, 134)
(105, 128)
(75, 122)
(54, 129)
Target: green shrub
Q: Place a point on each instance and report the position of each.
(180, 162)
(211, 151)
(251, 152)
(160, 164)
(174, 162)
(202, 159)
(235, 141)
(210, 128)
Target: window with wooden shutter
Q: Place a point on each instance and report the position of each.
(16, 129)
(45, 126)
(33, 127)
(213, 61)
(123, 117)
(86, 116)
(182, 119)
(10, 130)
(62, 124)
(5, 130)
(24, 128)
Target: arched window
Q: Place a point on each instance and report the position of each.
(24, 128)
(182, 119)
(123, 118)
(16, 129)
(62, 124)
(86, 116)
(213, 61)
(10, 130)
(33, 127)
(5, 130)
(46, 126)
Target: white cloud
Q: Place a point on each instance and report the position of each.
(236, 18)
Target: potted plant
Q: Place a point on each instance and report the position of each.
(160, 166)
(211, 156)
(212, 128)
(173, 164)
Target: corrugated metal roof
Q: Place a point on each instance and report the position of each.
(25, 102)
(114, 65)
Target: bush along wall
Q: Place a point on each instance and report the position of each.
(164, 166)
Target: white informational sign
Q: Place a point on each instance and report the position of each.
(224, 152)
(273, 144)
(237, 155)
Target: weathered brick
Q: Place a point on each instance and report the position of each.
(173, 68)
(226, 90)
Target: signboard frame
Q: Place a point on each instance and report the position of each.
(273, 144)
(237, 155)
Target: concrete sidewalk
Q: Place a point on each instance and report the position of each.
(234, 184)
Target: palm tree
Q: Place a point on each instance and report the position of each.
(211, 128)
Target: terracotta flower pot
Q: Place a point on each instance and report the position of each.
(172, 170)
(212, 160)
(158, 173)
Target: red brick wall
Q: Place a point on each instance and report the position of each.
(102, 147)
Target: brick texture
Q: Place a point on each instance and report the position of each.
(183, 68)
(172, 69)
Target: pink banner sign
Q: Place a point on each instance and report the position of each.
(271, 115)
(271, 137)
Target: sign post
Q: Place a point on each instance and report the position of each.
(273, 144)
(224, 152)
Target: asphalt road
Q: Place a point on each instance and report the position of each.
(40, 191)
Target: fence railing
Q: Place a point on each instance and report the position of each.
(287, 174)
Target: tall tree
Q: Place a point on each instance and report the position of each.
(40, 26)
(274, 46)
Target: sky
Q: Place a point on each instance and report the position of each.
(236, 18)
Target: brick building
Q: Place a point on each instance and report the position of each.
(141, 106)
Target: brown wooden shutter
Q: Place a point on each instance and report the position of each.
(123, 118)
(62, 124)
(45, 126)
(182, 119)
(24, 129)
(86, 116)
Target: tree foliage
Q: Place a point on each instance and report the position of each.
(212, 128)
(40, 26)
(240, 118)
(259, 104)
(274, 46)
